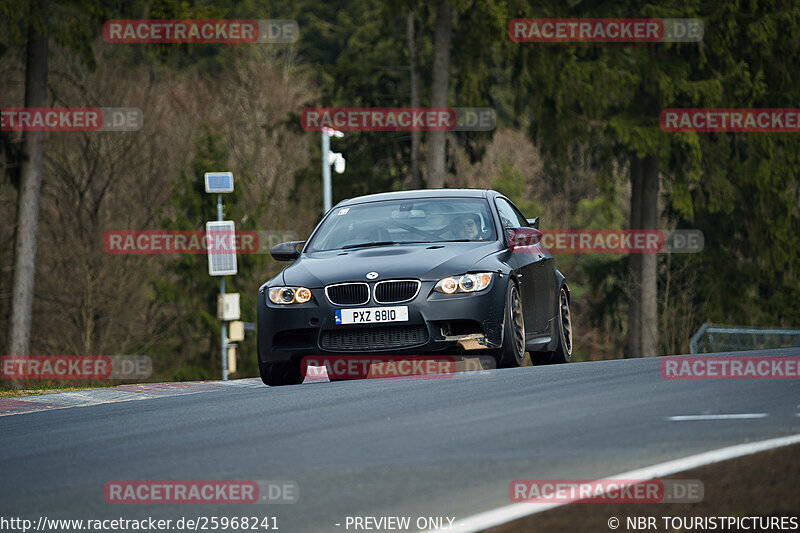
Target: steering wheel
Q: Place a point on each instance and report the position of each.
(412, 229)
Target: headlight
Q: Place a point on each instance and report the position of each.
(289, 295)
(464, 283)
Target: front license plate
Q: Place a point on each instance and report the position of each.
(371, 315)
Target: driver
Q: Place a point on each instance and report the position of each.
(466, 228)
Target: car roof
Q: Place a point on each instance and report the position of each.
(419, 193)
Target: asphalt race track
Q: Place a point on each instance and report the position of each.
(390, 447)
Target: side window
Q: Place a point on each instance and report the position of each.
(523, 222)
(509, 216)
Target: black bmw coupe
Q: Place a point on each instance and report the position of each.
(414, 273)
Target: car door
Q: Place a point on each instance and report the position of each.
(540, 289)
(544, 278)
(524, 263)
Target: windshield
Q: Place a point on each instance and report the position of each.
(405, 221)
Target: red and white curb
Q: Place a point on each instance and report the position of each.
(122, 393)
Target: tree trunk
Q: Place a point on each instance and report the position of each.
(19, 325)
(415, 179)
(649, 275)
(634, 347)
(642, 267)
(437, 142)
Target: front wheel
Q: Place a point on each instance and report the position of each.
(513, 350)
(282, 373)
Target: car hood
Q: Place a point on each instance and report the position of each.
(427, 262)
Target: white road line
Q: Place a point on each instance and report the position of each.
(742, 416)
(507, 513)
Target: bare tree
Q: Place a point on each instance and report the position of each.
(634, 347)
(21, 313)
(97, 303)
(642, 269)
(440, 84)
(649, 274)
(415, 179)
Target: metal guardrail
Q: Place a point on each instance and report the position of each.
(710, 329)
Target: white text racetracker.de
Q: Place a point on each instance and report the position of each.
(398, 523)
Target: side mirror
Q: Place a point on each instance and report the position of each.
(286, 251)
(523, 239)
(534, 222)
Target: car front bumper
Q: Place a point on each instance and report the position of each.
(437, 324)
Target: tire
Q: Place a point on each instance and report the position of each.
(283, 373)
(513, 349)
(563, 351)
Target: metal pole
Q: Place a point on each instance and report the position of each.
(224, 329)
(224, 339)
(326, 172)
(696, 338)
